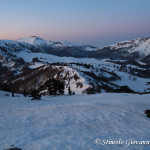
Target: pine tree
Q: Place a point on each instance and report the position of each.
(35, 95)
(24, 93)
(13, 95)
(69, 91)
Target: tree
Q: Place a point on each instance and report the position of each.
(13, 95)
(35, 95)
(5, 87)
(55, 87)
(124, 89)
(24, 93)
(69, 91)
(12, 90)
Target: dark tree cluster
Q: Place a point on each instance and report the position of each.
(54, 87)
(124, 89)
(35, 94)
(5, 87)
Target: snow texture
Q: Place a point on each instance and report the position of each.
(73, 122)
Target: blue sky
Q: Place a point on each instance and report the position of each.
(95, 22)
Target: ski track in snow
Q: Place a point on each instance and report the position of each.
(73, 122)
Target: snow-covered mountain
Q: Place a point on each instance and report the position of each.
(37, 41)
(26, 63)
(34, 40)
(138, 49)
(141, 45)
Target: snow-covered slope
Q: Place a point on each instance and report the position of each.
(74, 122)
(77, 85)
(90, 48)
(141, 45)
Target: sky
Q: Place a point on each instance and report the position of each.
(94, 22)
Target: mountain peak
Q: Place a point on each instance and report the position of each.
(35, 40)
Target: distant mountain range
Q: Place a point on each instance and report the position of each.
(138, 49)
(29, 62)
(134, 50)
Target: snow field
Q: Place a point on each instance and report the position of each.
(73, 122)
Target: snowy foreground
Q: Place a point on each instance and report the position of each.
(74, 122)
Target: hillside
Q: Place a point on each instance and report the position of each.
(28, 63)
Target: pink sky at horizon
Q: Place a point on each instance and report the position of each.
(100, 23)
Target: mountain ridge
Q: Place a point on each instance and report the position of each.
(26, 66)
(126, 43)
(136, 50)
